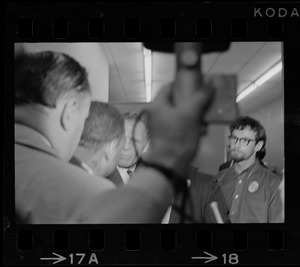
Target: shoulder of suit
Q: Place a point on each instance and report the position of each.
(57, 169)
(114, 174)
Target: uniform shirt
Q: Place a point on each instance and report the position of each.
(253, 195)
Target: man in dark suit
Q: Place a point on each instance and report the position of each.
(202, 192)
(116, 178)
(136, 143)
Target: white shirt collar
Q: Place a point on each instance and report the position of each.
(87, 168)
(47, 142)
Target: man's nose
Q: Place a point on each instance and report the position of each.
(127, 144)
(237, 144)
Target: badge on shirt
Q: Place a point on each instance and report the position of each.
(253, 187)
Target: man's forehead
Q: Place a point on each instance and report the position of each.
(245, 132)
(140, 126)
(130, 123)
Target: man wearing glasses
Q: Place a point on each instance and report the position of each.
(251, 190)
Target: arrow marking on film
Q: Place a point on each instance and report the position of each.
(210, 258)
(59, 259)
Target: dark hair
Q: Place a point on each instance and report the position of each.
(261, 154)
(137, 117)
(42, 78)
(243, 122)
(103, 124)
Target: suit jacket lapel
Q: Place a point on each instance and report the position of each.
(116, 178)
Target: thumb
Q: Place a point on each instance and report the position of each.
(204, 98)
(189, 77)
(163, 96)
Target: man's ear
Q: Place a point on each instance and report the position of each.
(259, 146)
(68, 113)
(110, 148)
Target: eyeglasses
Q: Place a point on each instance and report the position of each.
(243, 141)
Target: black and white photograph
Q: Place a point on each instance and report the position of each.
(149, 133)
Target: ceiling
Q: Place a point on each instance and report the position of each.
(247, 60)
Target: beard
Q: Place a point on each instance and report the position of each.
(237, 156)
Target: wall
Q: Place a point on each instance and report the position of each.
(271, 116)
(129, 107)
(89, 55)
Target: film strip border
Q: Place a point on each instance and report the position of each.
(140, 245)
(153, 21)
(153, 244)
(62, 28)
